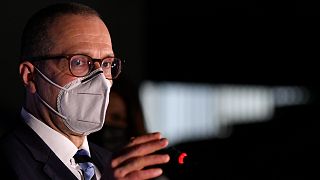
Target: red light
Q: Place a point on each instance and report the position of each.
(181, 157)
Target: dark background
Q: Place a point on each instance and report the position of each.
(228, 42)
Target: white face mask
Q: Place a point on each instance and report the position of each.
(83, 102)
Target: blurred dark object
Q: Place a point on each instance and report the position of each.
(286, 147)
(124, 117)
(180, 166)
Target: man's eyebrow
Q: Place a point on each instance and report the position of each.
(109, 55)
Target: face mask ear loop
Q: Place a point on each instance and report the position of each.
(48, 106)
(43, 101)
(51, 82)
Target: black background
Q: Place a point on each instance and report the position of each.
(245, 42)
(228, 42)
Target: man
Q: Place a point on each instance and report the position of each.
(67, 67)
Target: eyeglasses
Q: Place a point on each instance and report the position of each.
(81, 65)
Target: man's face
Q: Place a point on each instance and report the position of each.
(72, 34)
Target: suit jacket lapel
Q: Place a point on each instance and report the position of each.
(56, 169)
(42, 153)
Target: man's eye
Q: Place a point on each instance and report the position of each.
(78, 62)
(106, 64)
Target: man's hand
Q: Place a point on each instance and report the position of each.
(132, 161)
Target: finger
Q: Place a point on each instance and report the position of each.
(144, 174)
(140, 150)
(139, 163)
(144, 139)
(138, 140)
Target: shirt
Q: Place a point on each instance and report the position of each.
(63, 148)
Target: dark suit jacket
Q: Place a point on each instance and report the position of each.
(24, 155)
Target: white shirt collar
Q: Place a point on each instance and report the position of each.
(58, 143)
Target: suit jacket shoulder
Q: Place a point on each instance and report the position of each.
(24, 155)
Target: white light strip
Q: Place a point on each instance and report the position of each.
(184, 112)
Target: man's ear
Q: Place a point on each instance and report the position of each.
(26, 70)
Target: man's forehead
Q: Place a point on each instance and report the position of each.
(67, 21)
(79, 29)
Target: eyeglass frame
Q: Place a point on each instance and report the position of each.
(69, 57)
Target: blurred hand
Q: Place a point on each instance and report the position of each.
(133, 161)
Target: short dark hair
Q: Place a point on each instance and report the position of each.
(35, 40)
